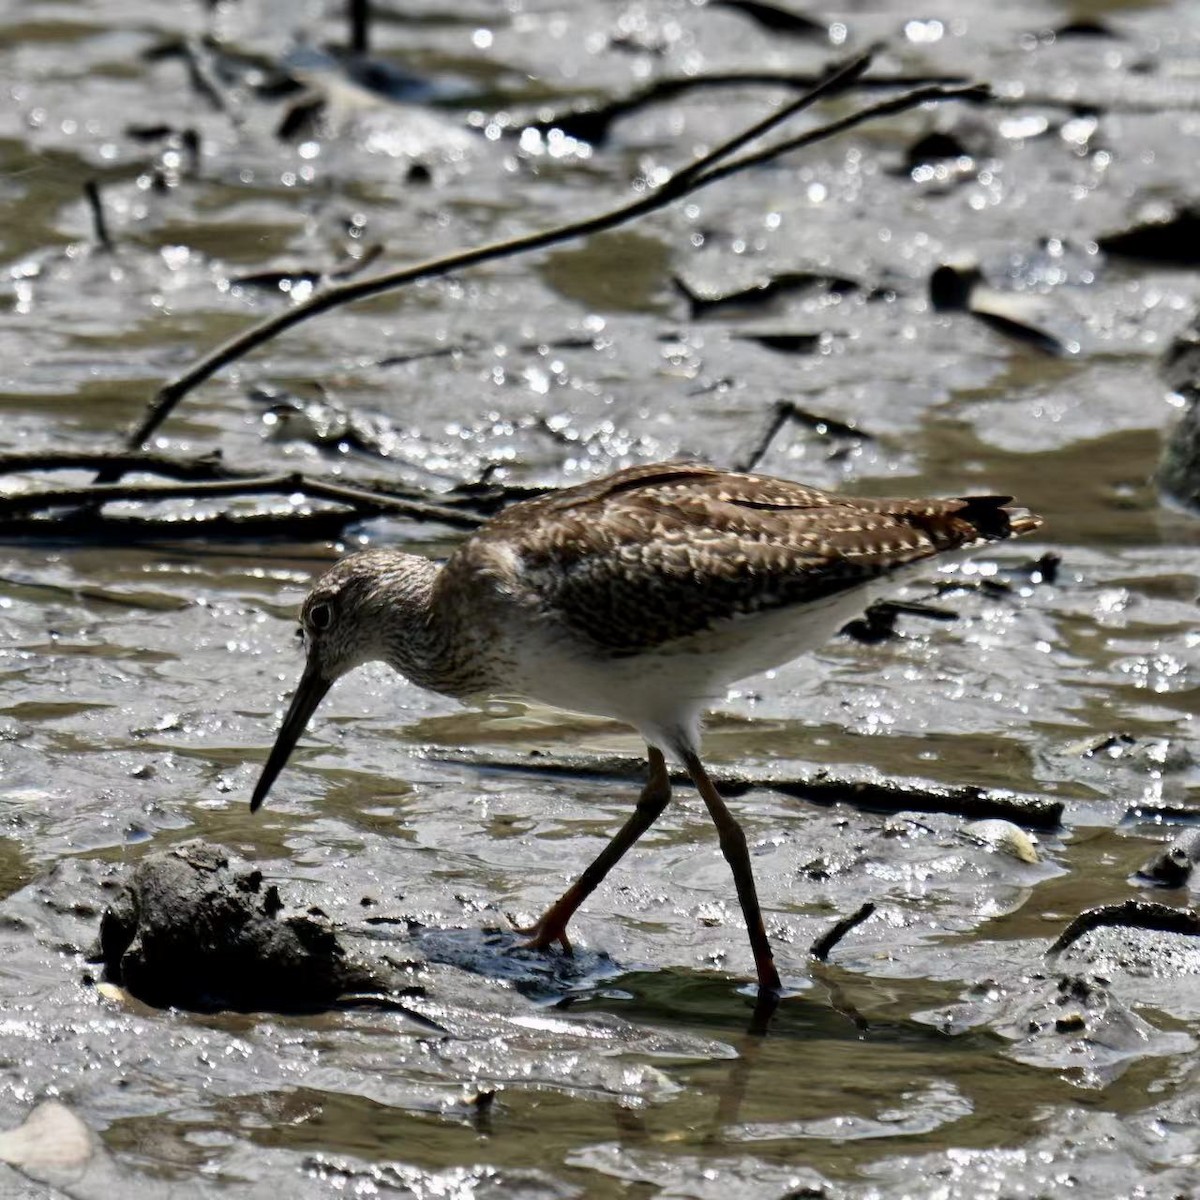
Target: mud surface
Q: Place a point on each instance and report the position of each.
(939, 1049)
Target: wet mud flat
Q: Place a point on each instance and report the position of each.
(979, 805)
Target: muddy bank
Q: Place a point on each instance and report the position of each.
(989, 296)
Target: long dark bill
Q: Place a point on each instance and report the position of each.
(310, 691)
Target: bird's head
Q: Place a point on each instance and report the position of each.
(367, 607)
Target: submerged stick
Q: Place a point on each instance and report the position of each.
(1130, 914)
(821, 947)
(872, 795)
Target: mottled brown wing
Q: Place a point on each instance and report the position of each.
(653, 554)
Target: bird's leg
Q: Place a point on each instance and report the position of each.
(733, 846)
(551, 927)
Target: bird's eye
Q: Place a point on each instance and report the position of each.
(320, 616)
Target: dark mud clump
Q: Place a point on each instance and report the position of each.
(192, 930)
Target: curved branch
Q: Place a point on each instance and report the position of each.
(704, 170)
(885, 108)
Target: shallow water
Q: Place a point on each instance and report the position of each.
(142, 684)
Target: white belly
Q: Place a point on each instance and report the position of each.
(663, 693)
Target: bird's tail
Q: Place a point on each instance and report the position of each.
(993, 519)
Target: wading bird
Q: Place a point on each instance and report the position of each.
(640, 597)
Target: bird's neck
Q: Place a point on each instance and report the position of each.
(425, 642)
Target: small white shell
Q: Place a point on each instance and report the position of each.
(1005, 837)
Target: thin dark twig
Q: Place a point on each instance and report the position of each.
(592, 122)
(360, 26)
(821, 947)
(699, 174)
(91, 193)
(885, 108)
(831, 83)
(359, 498)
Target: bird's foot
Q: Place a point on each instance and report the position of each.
(544, 932)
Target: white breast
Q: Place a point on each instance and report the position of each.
(663, 693)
